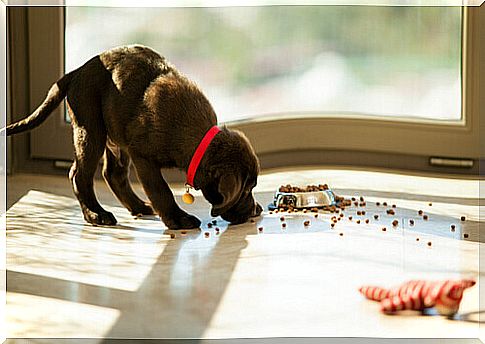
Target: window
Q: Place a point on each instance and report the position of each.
(267, 61)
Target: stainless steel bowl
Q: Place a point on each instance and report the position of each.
(300, 200)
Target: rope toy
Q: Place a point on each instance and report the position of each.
(417, 295)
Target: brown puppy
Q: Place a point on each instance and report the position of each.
(130, 104)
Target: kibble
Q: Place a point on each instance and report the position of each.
(359, 212)
(417, 239)
(429, 243)
(378, 203)
(217, 229)
(384, 204)
(172, 236)
(384, 229)
(209, 225)
(316, 216)
(358, 221)
(395, 223)
(283, 225)
(376, 217)
(353, 199)
(306, 223)
(332, 225)
(341, 234)
(394, 206)
(363, 212)
(411, 222)
(420, 212)
(350, 218)
(463, 218)
(183, 232)
(282, 218)
(214, 222)
(366, 220)
(465, 235)
(260, 229)
(252, 221)
(361, 199)
(390, 212)
(425, 217)
(430, 204)
(452, 228)
(206, 234)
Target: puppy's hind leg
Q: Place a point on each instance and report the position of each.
(89, 144)
(116, 171)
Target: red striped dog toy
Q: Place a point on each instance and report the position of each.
(445, 296)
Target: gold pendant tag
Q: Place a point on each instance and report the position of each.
(187, 197)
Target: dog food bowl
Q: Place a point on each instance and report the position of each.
(301, 200)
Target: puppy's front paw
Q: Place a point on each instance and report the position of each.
(183, 221)
(102, 218)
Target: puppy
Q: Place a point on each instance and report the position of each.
(130, 105)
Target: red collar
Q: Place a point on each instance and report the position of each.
(199, 153)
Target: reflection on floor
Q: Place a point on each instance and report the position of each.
(69, 279)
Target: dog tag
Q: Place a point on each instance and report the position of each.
(187, 197)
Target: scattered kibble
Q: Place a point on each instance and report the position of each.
(395, 223)
(390, 212)
(359, 212)
(353, 199)
(411, 222)
(384, 204)
(463, 218)
(384, 229)
(417, 239)
(282, 218)
(366, 220)
(206, 234)
(217, 229)
(306, 223)
(363, 212)
(316, 215)
(283, 225)
(361, 198)
(332, 225)
(394, 206)
(260, 229)
(270, 212)
(172, 236)
(429, 243)
(420, 212)
(341, 234)
(430, 204)
(358, 221)
(376, 217)
(350, 218)
(425, 217)
(378, 203)
(452, 228)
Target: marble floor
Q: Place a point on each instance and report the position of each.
(67, 279)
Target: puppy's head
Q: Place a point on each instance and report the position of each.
(230, 174)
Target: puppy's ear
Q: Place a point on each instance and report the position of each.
(230, 187)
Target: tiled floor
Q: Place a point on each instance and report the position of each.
(69, 279)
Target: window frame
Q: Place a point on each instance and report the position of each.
(278, 141)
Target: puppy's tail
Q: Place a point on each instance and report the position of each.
(56, 94)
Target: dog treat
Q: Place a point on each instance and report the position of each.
(172, 236)
(306, 223)
(463, 218)
(465, 235)
(425, 217)
(395, 223)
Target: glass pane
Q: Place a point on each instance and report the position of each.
(253, 62)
